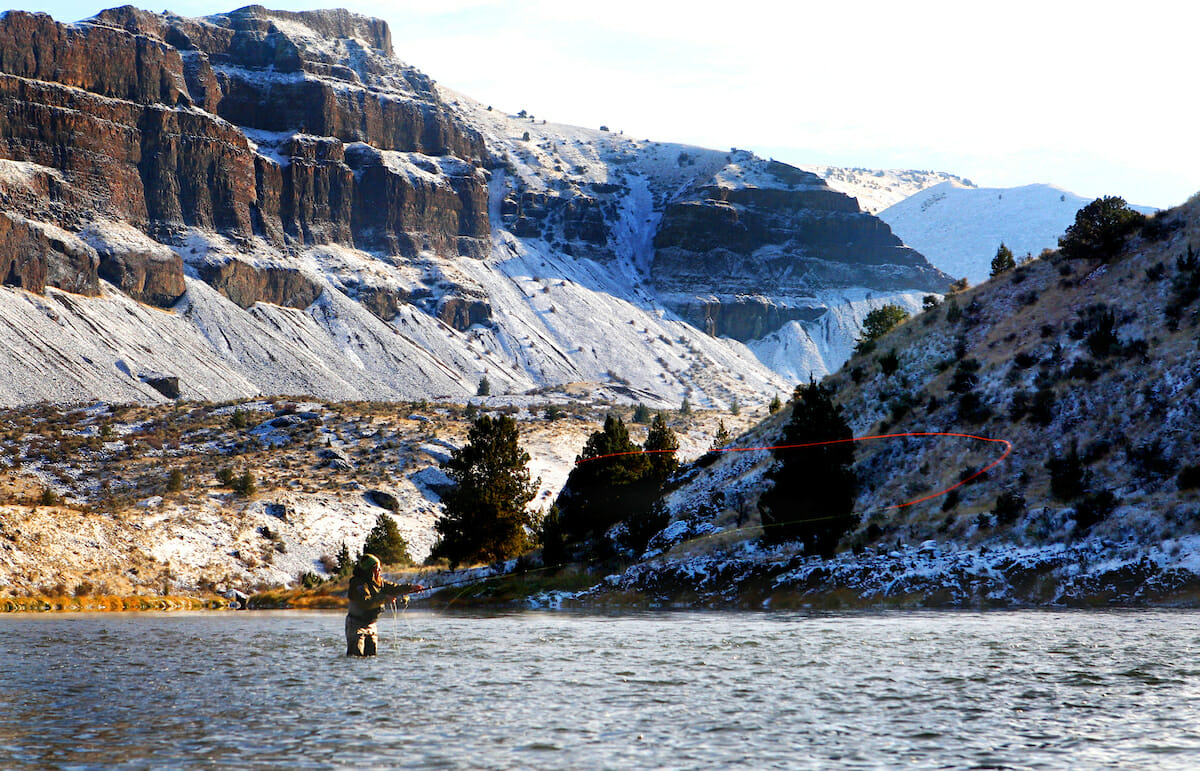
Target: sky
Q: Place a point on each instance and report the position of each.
(1091, 96)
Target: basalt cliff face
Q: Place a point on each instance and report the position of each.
(240, 167)
(146, 120)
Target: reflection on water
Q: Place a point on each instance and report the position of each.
(558, 690)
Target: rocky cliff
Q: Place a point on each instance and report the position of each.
(750, 250)
(288, 161)
(147, 120)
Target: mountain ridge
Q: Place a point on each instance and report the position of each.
(289, 161)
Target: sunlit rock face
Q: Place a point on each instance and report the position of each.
(148, 120)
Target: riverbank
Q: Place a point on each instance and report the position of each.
(40, 604)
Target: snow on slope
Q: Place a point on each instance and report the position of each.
(960, 228)
(877, 189)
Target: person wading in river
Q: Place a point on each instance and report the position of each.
(368, 594)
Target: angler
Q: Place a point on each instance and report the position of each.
(368, 594)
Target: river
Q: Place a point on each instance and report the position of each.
(565, 690)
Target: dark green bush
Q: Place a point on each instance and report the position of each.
(1100, 229)
(889, 362)
(1093, 509)
(1068, 477)
(1009, 507)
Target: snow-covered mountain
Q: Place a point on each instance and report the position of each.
(877, 189)
(272, 202)
(960, 227)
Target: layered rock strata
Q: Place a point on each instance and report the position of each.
(146, 119)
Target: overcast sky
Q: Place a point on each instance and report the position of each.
(1096, 97)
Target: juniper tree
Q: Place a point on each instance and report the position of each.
(386, 542)
(1003, 261)
(1100, 229)
(485, 518)
(605, 482)
(878, 323)
(811, 498)
(661, 446)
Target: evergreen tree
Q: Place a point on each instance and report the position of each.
(1003, 261)
(485, 518)
(775, 405)
(735, 407)
(606, 483)
(485, 387)
(550, 535)
(812, 497)
(386, 543)
(722, 436)
(686, 407)
(878, 323)
(345, 563)
(661, 446)
(641, 414)
(1100, 229)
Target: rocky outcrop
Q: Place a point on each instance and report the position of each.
(725, 248)
(34, 255)
(463, 312)
(745, 317)
(247, 284)
(141, 268)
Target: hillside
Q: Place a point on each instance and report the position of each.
(1087, 368)
(960, 227)
(90, 507)
(878, 189)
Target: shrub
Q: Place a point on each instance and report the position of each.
(964, 379)
(776, 404)
(1189, 477)
(1149, 459)
(1068, 477)
(243, 484)
(1009, 507)
(889, 362)
(1102, 336)
(1094, 508)
(175, 480)
(972, 409)
(1100, 229)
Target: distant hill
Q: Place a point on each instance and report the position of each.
(959, 228)
(877, 189)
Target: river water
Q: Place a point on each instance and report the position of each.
(557, 690)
